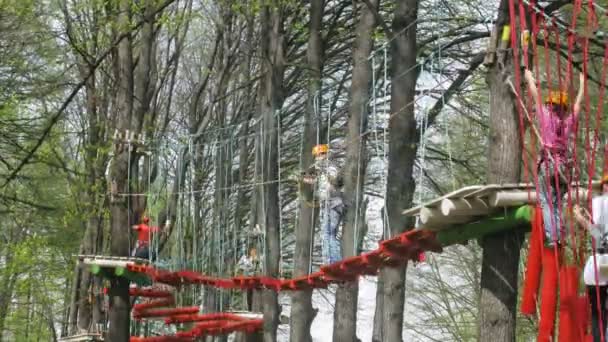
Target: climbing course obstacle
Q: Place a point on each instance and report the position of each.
(553, 51)
(391, 252)
(110, 266)
(499, 215)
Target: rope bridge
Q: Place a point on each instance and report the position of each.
(391, 253)
(212, 324)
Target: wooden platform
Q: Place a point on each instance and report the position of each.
(248, 314)
(113, 266)
(88, 337)
(110, 261)
(470, 203)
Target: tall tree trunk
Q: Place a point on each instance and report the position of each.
(403, 135)
(120, 306)
(270, 103)
(95, 167)
(85, 307)
(6, 295)
(377, 334)
(72, 323)
(345, 313)
(499, 271)
(302, 313)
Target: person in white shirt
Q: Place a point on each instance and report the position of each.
(595, 274)
(328, 183)
(249, 265)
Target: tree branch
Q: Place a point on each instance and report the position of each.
(55, 117)
(453, 89)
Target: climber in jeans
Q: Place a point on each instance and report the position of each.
(328, 183)
(556, 125)
(596, 281)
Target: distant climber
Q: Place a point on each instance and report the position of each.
(328, 182)
(595, 268)
(145, 235)
(557, 126)
(249, 264)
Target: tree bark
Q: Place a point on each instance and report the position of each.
(302, 312)
(401, 156)
(377, 334)
(270, 103)
(6, 295)
(345, 313)
(499, 272)
(74, 298)
(119, 303)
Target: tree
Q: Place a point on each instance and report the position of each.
(401, 156)
(271, 96)
(124, 172)
(345, 315)
(302, 313)
(500, 263)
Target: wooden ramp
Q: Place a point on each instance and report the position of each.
(87, 337)
(470, 203)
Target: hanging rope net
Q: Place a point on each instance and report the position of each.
(559, 98)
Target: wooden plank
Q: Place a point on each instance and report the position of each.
(486, 191)
(436, 202)
(82, 338)
(248, 314)
(112, 257)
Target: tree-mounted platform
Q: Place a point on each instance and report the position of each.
(87, 337)
(472, 203)
(113, 266)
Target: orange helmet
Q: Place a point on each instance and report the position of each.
(557, 97)
(605, 179)
(320, 149)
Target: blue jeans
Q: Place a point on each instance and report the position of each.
(550, 194)
(143, 252)
(330, 221)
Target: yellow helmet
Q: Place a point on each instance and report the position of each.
(319, 149)
(557, 97)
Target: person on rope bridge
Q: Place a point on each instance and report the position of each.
(144, 237)
(595, 280)
(557, 125)
(249, 265)
(328, 184)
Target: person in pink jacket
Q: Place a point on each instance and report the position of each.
(557, 124)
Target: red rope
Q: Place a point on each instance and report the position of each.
(548, 296)
(534, 265)
(392, 252)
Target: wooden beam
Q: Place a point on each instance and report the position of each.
(511, 198)
(464, 207)
(432, 217)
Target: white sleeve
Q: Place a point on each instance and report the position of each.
(332, 171)
(596, 207)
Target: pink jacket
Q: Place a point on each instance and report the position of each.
(555, 132)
